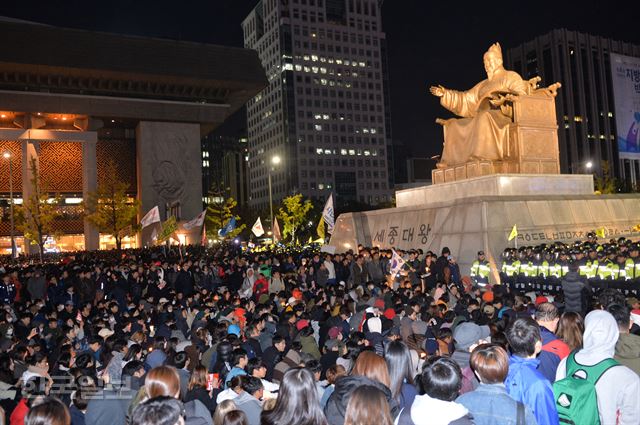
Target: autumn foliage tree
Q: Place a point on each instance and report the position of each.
(293, 214)
(36, 216)
(110, 209)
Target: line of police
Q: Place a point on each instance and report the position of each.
(610, 264)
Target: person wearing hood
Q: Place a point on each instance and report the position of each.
(369, 369)
(441, 381)
(618, 389)
(466, 335)
(628, 345)
(524, 382)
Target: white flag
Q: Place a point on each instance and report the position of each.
(196, 222)
(153, 216)
(327, 214)
(396, 263)
(257, 228)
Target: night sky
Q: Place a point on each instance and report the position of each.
(430, 42)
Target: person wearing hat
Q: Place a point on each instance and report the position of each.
(619, 268)
(466, 336)
(632, 264)
(480, 270)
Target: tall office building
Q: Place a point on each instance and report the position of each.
(585, 106)
(224, 166)
(324, 112)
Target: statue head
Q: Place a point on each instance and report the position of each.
(493, 59)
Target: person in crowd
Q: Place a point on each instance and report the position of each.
(161, 410)
(398, 361)
(490, 404)
(198, 390)
(297, 401)
(441, 381)
(618, 389)
(628, 345)
(239, 361)
(235, 417)
(250, 400)
(524, 381)
(332, 375)
(465, 336)
(367, 405)
(570, 330)
(84, 391)
(575, 290)
(49, 411)
(221, 411)
(369, 369)
(554, 349)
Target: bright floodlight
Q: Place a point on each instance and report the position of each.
(589, 164)
(6, 155)
(275, 160)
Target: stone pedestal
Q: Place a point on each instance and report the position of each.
(479, 214)
(169, 169)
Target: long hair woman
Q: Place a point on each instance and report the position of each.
(402, 386)
(50, 411)
(297, 401)
(369, 369)
(368, 405)
(198, 388)
(570, 329)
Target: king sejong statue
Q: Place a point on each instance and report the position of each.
(482, 131)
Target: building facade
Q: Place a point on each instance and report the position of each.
(224, 164)
(73, 101)
(585, 104)
(324, 113)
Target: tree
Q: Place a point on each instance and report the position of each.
(605, 184)
(294, 214)
(220, 210)
(35, 217)
(109, 208)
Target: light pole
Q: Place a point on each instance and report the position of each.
(7, 155)
(275, 160)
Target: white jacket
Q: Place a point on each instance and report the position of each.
(618, 389)
(431, 411)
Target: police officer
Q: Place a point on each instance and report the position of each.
(480, 270)
(632, 264)
(619, 269)
(7, 290)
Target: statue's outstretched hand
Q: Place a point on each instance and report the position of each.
(437, 90)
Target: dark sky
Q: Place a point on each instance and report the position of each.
(430, 42)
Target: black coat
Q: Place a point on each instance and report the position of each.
(337, 404)
(575, 291)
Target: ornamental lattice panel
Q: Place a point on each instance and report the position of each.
(61, 166)
(123, 154)
(15, 148)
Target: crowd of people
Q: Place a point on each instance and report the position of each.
(294, 336)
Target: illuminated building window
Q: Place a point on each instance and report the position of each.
(319, 151)
(318, 127)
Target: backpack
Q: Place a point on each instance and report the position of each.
(575, 395)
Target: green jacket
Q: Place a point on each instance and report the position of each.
(628, 351)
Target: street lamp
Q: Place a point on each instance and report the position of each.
(275, 160)
(589, 165)
(7, 155)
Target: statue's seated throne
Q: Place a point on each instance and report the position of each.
(532, 146)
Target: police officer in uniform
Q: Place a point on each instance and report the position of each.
(480, 270)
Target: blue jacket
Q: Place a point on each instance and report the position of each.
(490, 404)
(553, 350)
(524, 383)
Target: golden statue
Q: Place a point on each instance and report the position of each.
(483, 129)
